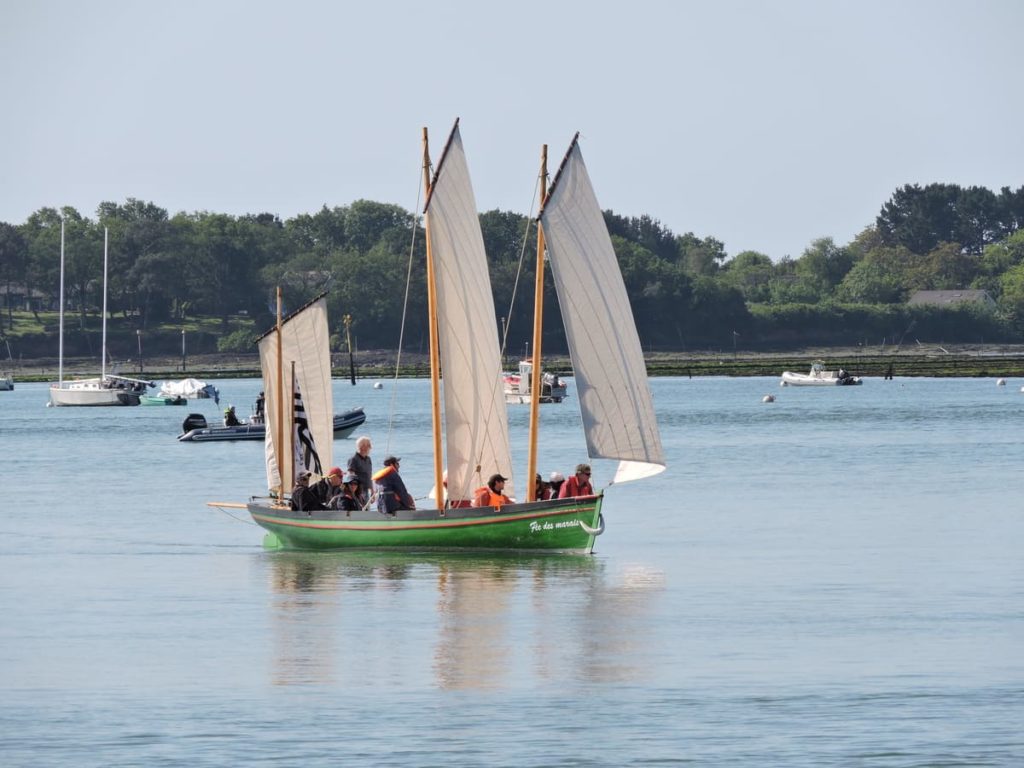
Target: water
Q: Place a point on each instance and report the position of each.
(831, 579)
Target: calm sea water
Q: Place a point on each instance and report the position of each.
(835, 578)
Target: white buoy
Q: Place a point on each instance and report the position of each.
(378, 385)
(782, 383)
(1000, 382)
(768, 399)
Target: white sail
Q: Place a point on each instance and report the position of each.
(475, 418)
(608, 363)
(305, 341)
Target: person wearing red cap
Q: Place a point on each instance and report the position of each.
(326, 489)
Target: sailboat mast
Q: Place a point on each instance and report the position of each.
(60, 364)
(279, 442)
(103, 345)
(538, 318)
(435, 367)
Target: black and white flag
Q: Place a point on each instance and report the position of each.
(306, 456)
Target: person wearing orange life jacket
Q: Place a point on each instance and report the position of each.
(492, 494)
(391, 493)
(578, 484)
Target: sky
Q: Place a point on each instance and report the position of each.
(762, 124)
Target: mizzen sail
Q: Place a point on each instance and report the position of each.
(475, 417)
(608, 363)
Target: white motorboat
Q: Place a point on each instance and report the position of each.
(104, 389)
(819, 377)
(517, 386)
(6, 382)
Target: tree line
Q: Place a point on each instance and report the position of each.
(687, 292)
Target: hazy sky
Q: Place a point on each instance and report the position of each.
(763, 124)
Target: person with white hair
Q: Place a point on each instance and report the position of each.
(361, 465)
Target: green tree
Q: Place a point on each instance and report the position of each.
(13, 265)
(750, 273)
(822, 267)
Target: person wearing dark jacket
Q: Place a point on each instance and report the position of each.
(326, 489)
(348, 499)
(391, 493)
(361, 465)
(302, 495)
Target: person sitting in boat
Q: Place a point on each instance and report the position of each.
(492, 494)
(361, 465)
(348, 499)
(325, 489)
(541, 489)
(391, 493)
(302, 496)
(555, 481)
(230, 419)
(578, 484)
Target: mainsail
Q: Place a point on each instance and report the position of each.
(305, 342)
(475, 417)
(611, 377)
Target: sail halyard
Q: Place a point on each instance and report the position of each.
(475, 416)
(611, 376)
(538, 324)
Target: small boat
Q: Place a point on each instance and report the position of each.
(517, 385)
(104, 389)
(470, 433)
(196, 430)
(190, 389)
(819, 377)
(158, 400)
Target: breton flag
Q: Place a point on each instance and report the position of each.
(306, 456)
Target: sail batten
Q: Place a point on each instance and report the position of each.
(475, 417)
(306, 343)
(611, 377)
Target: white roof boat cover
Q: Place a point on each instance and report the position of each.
(189, 388)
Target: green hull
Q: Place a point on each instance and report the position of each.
(563, 525)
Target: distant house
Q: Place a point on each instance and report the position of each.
(16, 296)
(952, 298)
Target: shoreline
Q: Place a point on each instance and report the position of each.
(930, 360)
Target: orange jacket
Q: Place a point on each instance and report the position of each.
(485, 497)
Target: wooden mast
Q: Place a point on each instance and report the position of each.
(279, 442)
(538, 318)
(435, 367)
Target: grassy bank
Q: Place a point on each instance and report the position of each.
(920, 360)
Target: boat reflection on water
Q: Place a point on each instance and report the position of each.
(457, 622)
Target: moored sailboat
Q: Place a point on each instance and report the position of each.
(470, 433)
(104, 389)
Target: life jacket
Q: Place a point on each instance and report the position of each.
(380, 474)
(492, 499)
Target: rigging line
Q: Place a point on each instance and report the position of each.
(519, 270)
(500, 391)
(405, 309)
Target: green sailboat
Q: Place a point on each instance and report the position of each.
(470, 433)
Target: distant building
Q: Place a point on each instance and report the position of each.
(952, 298)
(16, 296)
